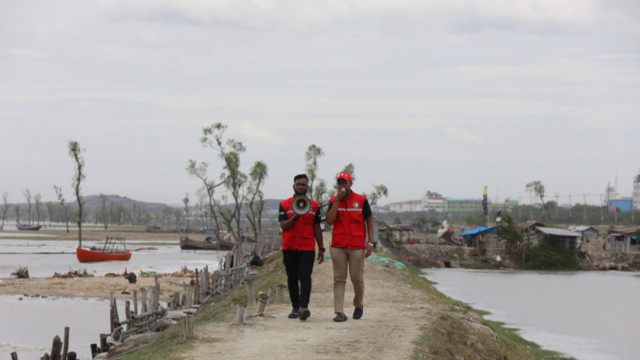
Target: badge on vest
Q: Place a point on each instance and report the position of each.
(356, 205)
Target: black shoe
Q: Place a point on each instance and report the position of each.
(294, 314)
(340, 318)
(357, 313)
(304, 314)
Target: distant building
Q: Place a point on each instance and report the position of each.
(406, 206)
(623, 239)
(624, 204)
(454, 206)
(588, 232)
(433, 201)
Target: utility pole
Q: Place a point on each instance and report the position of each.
(570, 209)
(584, 208)
(601, 211)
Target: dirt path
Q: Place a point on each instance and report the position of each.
(386, 331)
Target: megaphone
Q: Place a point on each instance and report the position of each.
(301, 205)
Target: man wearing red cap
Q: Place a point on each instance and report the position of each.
(351, 217)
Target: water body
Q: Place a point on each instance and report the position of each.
(587, 315)
(29, 324)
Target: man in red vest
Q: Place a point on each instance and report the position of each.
(298, 247)
(351, 217)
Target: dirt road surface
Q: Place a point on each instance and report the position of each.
(386, 331)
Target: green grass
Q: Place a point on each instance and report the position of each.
(170, 344)
(456, 331)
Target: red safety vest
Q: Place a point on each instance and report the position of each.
(349, 228)
(301, 236)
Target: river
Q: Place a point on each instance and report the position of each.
(30, 323)
(586, 315)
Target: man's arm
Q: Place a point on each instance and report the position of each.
(285, 221)
(318, 232)
(333, 212)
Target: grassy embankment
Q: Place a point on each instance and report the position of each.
(455, 331)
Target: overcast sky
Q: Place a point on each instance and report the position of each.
(446, 96)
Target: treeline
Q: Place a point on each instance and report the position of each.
(429, 221)
(111, 214)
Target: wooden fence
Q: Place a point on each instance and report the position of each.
(148, 314)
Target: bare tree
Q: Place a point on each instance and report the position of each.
(233, 178)
(185, 201)
(37, 200)
(537, 188)
(27, 196)
(208, 188)
(5, 208)
(378, 192)
(257, 175)
(103, 213)
(311, 156)
(65, 207)
(75, 152)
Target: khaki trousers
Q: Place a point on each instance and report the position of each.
(352, 261)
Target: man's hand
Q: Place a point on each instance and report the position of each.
(320, 257)
(342, 193)
(368, 248)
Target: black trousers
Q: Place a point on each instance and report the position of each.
(299, 266)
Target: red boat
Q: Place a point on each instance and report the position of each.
(85, 255)
(113, 249)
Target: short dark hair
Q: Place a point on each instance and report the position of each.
(300, 176)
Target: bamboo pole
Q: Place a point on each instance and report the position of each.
(65, 349)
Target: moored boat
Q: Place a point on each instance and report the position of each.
(28, 227)
(85, 255)
(113, 249)
(210, 243)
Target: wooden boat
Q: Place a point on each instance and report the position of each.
(209, 243)
(29, 227)
(85, 255)
(113, 249)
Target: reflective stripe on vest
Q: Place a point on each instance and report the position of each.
(301, 236)
(349, 228)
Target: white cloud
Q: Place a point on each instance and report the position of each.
(462, 136)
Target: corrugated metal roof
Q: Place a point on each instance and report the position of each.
(580, 228)
(559, 232)
(627, 230)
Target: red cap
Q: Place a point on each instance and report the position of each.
(345, 176)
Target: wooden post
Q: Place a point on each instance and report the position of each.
(280, 293)
(72, 356)
(143, 310)
(262, 303)
(242, 307)
(14, 356)
(135, 302)
(272, 296)
(127, 313)
(189, 323)
(156, 300)
(56, 348)
(104, 347)
(115, 319)
(94, 350)
(65, 349)
(251, 294)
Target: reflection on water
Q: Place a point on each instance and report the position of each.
(587, 315)
(45, 257)
(35, 321)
